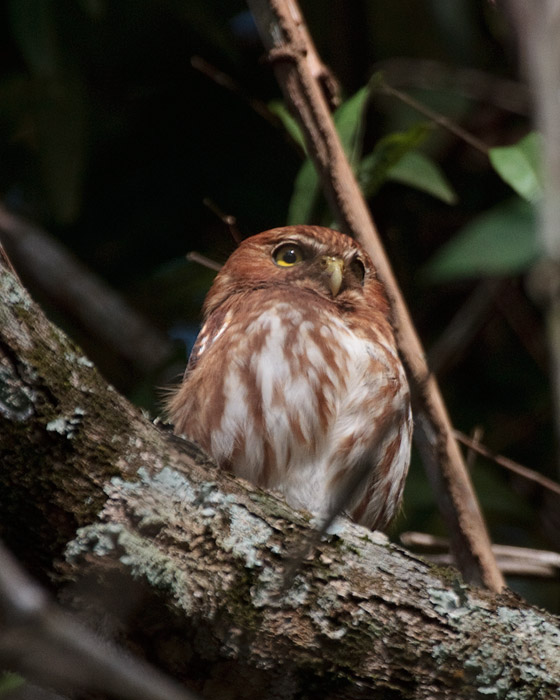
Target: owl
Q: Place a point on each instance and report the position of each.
(295, 380)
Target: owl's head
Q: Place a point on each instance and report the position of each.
(310, 258)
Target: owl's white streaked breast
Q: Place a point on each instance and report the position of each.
(299, 388)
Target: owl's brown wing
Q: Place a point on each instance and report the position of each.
(212, 329)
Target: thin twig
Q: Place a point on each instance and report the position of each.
(430, 75)
(439, 119)
(292, 54)
(226, 81)
(193, 256)
(258, 106)
(516, 310)
(227, 219)
(509, 464)
(508, 567)
(520, 561)
(477, 433)
(46, 644)
(463, 327)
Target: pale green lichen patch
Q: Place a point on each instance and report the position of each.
(16, 399)
(67, 425)
(145, 560)
(169, 482)
(12, 292)
(100, 540)
(139, 554)
(266, 593)
(447, 603)
(243, 533)
(81, 360)
(247, 534)
(16, 304)
(504, 670)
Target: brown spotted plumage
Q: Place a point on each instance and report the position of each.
(295, 378)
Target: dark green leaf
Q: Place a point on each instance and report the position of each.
(374, 168)
(503, 241)
(307, 187)
(278, 108)
(348, 120)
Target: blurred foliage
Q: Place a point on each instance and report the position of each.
(500, 241)
(111, 140)
(9, 682)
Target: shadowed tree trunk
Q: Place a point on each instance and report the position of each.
(157, 548)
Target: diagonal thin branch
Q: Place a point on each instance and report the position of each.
(293, 55)
(83, 296)
(515, 467)
(47, 644)
(439, 119)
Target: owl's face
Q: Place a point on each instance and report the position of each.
(311, 258)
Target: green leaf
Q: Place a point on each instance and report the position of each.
(374, 168)
(348, 120)
(278, 108)
(307, 186)
(307, 189)
(519, 166)
(502, 241)
(419, 171)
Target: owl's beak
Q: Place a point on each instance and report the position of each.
(334, 269)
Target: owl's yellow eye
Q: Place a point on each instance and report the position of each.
(287, 255)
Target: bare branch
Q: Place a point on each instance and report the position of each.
(293, 56)
(463, 327)
(439, 119)
(85, 298)
(514, 561)
(193, 256)
(228, 219)
(427, 74)
(515, 467)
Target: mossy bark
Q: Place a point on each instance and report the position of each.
(185, 563)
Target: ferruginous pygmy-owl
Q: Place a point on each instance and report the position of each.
(295, 379)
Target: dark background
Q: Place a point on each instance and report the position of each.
(110, 140)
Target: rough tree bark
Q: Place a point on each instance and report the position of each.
(184, 562)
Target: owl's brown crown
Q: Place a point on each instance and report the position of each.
(311, 259)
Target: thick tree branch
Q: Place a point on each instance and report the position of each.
(293, 55)
(186, 562)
